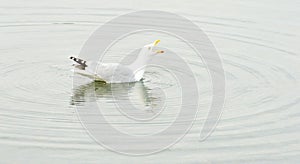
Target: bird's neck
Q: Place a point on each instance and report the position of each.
(141, 61)
(138, 66)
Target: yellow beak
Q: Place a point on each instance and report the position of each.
(159, 51)
(156, 42)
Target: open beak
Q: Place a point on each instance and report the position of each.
(158, 51)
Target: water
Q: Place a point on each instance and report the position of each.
(259, 45)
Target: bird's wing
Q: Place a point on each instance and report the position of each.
(105, 72)
(89, 72)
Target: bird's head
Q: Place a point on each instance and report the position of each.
(149, 48)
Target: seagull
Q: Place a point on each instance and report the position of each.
(115, 72)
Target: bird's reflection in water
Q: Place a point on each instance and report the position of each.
(125, 94)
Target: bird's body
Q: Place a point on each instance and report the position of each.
(115, 72)
(109, 73)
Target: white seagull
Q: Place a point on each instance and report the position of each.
(115, 72)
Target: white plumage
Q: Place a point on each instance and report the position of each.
(115, 72)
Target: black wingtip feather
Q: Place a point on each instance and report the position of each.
(79, 61)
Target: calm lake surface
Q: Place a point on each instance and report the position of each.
(258, 42)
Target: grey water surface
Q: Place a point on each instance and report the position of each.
(258, 42)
